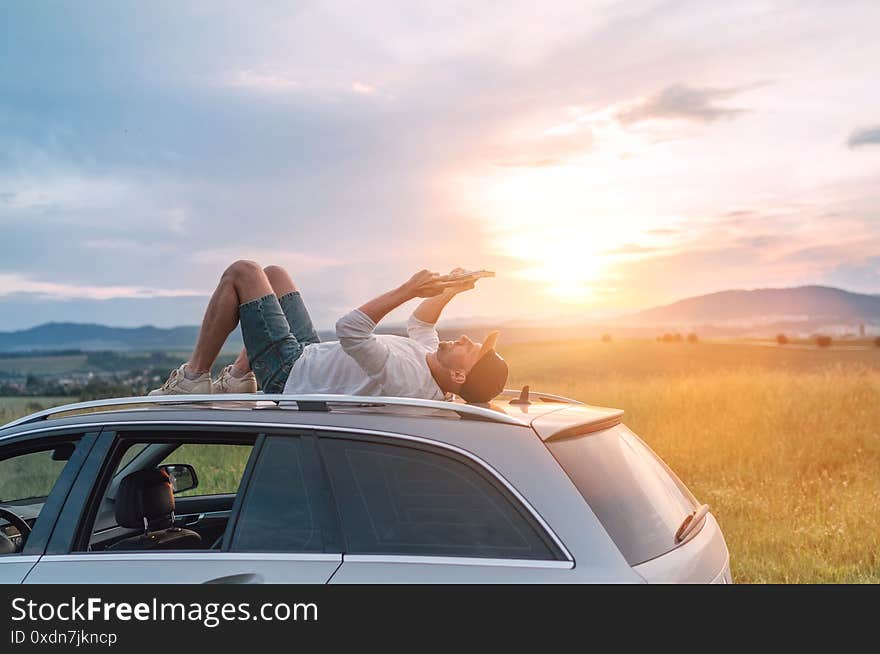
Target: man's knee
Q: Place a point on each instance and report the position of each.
(279, 278)
(242, 269)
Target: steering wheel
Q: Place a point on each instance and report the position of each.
(24, 529)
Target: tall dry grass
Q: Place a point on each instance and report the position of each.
(784, 444)
(788, 457)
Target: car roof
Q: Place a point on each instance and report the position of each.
(551, 416)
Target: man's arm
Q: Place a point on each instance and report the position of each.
(355, 330)
(430, 309)
(423, 284)
(421, 326)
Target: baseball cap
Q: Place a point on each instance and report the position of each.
(488, 376)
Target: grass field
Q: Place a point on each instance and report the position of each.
(783, 443)
(44, 365)
(15, 407)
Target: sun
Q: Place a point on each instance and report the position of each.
(560, 261)
(563, 228)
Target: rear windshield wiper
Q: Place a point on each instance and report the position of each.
(690, 522)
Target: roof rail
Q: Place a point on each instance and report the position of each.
(544, 397)
(303, 403)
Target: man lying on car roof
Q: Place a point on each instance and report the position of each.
(283, 353)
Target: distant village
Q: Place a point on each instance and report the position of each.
(94, 374)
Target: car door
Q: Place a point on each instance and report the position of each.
(274, 531)
(411, 512)
(36, 473)
(285, 529)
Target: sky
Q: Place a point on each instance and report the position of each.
(601, 157)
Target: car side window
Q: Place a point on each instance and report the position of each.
(29, 476)
(281, 508)
(395, 499)
(220, 467)
(26, 481)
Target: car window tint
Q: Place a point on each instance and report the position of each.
(402, 500)
(29, 476)
(636, 497)
(279, 512)
(219, 467)
(130, 454)
(26, 480)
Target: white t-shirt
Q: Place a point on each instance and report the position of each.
(364, 363)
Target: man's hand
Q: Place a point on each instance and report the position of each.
(429, 310)
(459, 287)
(427, 284)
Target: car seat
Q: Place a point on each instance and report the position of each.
(145, 500)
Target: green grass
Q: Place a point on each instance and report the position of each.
(28, 475)
(783, 444)
(16, 407)
(219, 467)
(43, 365)
(32, 475)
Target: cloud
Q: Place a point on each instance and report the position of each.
(587, 128)
(261, 81)
(551, 147)
(862, 276)
(362, 88)
(186, 154)
(47, 191)
(15, 284)
(297, 262)
(632, 249)
(523, 161)
(683, 102)
(864, 136)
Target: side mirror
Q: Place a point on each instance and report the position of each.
(63, 452)
(183, 476)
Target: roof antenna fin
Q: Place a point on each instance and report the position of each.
(523, 397)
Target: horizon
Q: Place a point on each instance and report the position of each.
(602, 159)
(466, 322)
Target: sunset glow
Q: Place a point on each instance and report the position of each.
(598, 156)
(564, 225)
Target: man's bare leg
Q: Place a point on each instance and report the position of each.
(282, 284)
(241, 282)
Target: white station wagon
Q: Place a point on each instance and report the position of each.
(340, 489)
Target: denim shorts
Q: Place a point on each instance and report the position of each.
(275, 333)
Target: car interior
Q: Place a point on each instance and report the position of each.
(15, 527)
(151, 504)
(26, 478)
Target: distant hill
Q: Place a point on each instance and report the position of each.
(806, 309)
(88, 337)
(809, 306)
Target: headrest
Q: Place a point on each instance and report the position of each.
(144, 493)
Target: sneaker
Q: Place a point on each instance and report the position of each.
(178, 384)
(229, 383)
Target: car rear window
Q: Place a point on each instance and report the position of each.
(638, 500)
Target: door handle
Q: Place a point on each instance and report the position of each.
(192, 519)
(244, 578)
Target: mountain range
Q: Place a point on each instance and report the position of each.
(805, 309)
